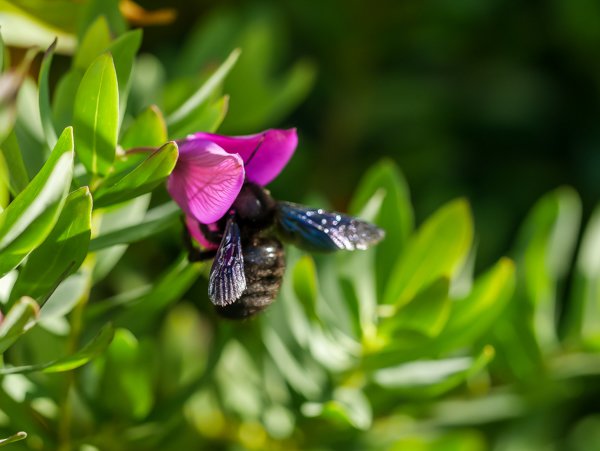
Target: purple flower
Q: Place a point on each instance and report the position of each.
(212, 168)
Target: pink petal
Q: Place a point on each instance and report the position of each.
(276, 148)
(206, 180)
(194, 229)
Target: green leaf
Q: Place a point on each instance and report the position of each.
(63, 251)
(96, 116)
(583, 315)
(91, 350)
(304, 279)
(28, 220)
(17, 174)
(348, 406)
(142, 310)
(475, 314)
(127, 386)
(115, 218)
(4, 188)
(13, 438)
(543, 255)
(156, 220)
(437, 250)
(148, 130)
(142, 179)
(123, 51)
(64, 98)
(203, 93)
(44, 96)
(426, 314)
(395, 215)
(429, 378)
(207, 117)
(94, 42)
(17, 321)
(92, 9)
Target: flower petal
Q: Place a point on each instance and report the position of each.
(206, 179)
(194, 229)
(276, 149)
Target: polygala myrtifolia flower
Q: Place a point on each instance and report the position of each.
(211, 170)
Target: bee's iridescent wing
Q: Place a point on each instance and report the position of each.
(227, 281)
(321, 230)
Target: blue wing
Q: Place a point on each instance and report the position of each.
(227, 281)
(322, 230)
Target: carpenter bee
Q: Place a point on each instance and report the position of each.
(249, 263)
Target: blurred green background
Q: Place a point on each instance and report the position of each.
(432, 341)
(493, 100)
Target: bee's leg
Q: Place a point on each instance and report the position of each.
(195, 254)
(214, 236)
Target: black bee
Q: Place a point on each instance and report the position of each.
(249, 263)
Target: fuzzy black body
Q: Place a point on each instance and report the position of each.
(249, 263)
(264, 266)
(263, 255)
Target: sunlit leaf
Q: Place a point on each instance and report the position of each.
(142, 179)
(17, 321)
(148, 130)
(204, 93)
(62, 252)
(92, 349)
(13, 438)
(94, 42)
(395, 215)
(28, 220)
(437, 249)
(305, 285)
(44, 87)
(156, 220)
(427, 312)
(96, 116)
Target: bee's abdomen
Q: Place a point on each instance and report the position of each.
(264, 265)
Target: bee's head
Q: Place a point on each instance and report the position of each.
(254, 204)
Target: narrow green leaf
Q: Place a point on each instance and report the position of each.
(426, 314)
(96, 116)
(91, 350)
(13, 438)
(474, 315)
(64, 98)
(148, 130)
(142, 179)
(207, 117)
(17, 173)
(395, 215)
(17, 321)
(205, 91)
(123, 51)
(115, 218)
(44, 96)
(94, 42)
(63, 251)
(2, 54)
(543, 256)
(352, 405)
(28, 220)
(437, 250)
(92, 9)
(304, 279)
(156, 220)
(583, 315)
(4, 184)
(429, 378)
